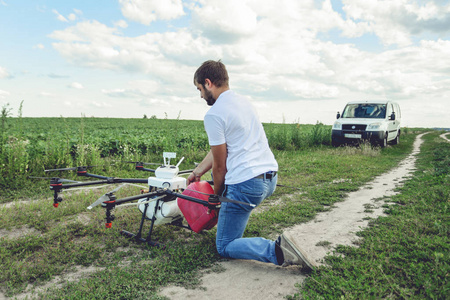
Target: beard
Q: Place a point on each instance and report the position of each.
(209, 97)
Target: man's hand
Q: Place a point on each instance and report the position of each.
(193, 178)
(201, 169)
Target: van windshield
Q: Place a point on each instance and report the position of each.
(365, 110)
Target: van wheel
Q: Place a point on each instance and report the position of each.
(396, 141)
(383, 142)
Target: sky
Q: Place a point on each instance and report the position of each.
(297, 61)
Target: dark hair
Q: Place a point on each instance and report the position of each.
(212, 70)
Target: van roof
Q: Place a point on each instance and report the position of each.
(371, 101)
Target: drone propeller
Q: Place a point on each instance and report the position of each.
(105, 197)
(69, 169)
(143, 163)
(56, 179)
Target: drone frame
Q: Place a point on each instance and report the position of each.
(154, 194)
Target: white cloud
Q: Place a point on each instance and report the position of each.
(4, 94)
(47, 95)
(39, 46)
(101, 104)
(394, 22)
(87, 31)
(272, 51)
(147, 11)
(59, 16)
(76, 85)
(121, 24)
(225, 21)
(4, 73)
(72, 17)
(122, 93)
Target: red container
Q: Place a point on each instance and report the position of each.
(196, 214)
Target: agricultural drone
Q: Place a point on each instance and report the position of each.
(168, 200)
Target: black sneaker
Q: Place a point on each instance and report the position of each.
(292, 254)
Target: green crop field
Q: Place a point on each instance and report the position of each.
(31, 145)
(39, 243)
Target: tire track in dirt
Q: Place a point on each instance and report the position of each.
(243, 279)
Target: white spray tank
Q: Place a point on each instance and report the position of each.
(166, 176)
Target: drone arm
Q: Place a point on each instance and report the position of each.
(60, 186)
(131, 198)
(140, 167)
(210, 204)
(93, 175)
(130, 180)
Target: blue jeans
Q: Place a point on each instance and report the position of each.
(233, 219)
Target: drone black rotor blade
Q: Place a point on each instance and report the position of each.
(69, 169)
(54, 178)
(152, 164)
(34, 177)
(144, 163)
(68, 180)
(61, 169)
(185, 172)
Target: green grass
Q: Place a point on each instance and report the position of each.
(63, 239)
(404, 255)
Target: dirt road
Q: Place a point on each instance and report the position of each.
(252, 280)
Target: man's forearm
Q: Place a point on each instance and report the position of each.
(201, 169)
(219, 154)
(205, 165)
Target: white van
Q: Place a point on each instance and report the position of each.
(375, 121)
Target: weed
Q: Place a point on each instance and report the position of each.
(323, 244)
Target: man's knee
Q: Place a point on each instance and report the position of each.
(221, 249)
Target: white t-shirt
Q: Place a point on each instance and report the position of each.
(233, 120)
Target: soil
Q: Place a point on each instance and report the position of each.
(444, 136)
(241, 279)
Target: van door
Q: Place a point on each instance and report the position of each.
(392, 124)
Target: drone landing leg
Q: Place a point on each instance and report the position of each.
(138, 236)
(149, 236)
(144, 213)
